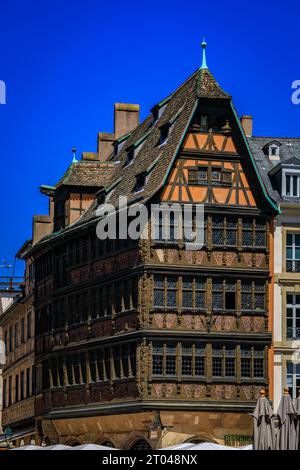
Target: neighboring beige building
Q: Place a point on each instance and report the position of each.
(18, 376)
(17, 326)
(279, 163)
(9, 290)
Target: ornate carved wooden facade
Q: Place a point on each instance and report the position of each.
(149, 324)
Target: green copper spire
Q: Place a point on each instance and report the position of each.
(203, 45)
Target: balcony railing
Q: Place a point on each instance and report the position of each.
(293, 266)
(11, 283)
(293, 333)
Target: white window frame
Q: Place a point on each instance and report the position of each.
(294, 307)
(290, 173)
(294, 376)
(293, 259)
(276, 147)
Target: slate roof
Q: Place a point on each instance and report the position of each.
(289, 150)
(85, 173)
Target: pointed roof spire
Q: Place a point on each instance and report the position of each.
(203, 45)
(74, 150)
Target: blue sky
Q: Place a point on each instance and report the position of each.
(66, 62)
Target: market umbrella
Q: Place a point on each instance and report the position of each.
(297, 408)
(264, 427)
(286, 434)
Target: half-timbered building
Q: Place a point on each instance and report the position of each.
(146, 342)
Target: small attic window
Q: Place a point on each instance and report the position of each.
(155, 115)
(130, 155)
(164, 133)
(272, 149)
(101, 197)
(140, 182)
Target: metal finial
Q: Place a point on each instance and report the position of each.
(203, 45)
(74, 155)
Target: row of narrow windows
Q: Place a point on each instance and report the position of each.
(18, 333)
(170, 359)
(19, 387)
(219, 231)
(90, 304)
(191, 360)
(100, 365)
(188, 292)
(169, 291)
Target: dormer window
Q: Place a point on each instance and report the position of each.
(272, 149)
(140, 182)
(130, 155)
(164, 133)
(101, 196)
(292, 185)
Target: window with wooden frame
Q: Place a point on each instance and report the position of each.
(254, 233)
(223, 361)
(193, 360)
(165, 291)
(223, 295)
(224, 230)
(197, 175)
(164, 359)
(253, 362)
(253, 296)
(193, 293)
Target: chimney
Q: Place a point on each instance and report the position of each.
(126, 118)
(247, 123)
(105, 145)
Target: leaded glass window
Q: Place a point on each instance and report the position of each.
(258, 362)
(165, 291)
(187, 292)
(231, 231)
(157, 359)
(193, 292)
(187, 359)
(229, 362)
(218, 230)
(259, 296)
(171, 359)
(217, 295)
(199, 360)
(217, 360)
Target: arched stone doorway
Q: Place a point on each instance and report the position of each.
(200, 440)
(107, 444)
(140, 444)
(73, 443)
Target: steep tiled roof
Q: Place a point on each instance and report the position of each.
(289, 148)
(208, 87)
(151, 157)
(85, 173)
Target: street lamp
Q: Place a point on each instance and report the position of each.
(8, 434)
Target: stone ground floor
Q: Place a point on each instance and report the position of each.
(139, 429)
